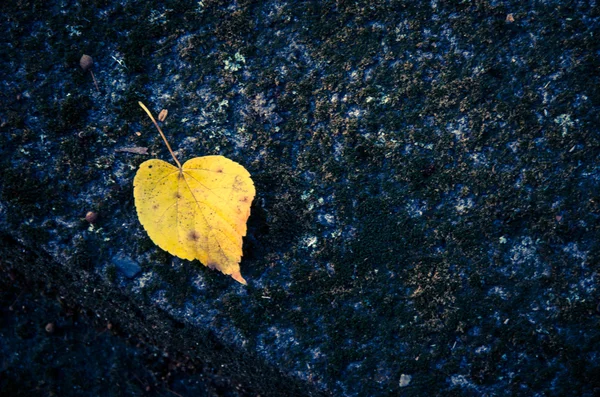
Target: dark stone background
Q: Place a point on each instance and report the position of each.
(427, 210)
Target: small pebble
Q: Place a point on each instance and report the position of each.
(50, 328)
(126, 265)
(404, 380)
(91, 217)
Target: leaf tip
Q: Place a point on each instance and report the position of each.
(237, 276)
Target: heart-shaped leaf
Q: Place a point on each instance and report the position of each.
(198, 210)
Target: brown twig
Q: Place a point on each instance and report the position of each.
(95, 82)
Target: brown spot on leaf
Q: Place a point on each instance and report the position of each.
(193, 235)
(238, 184)
(219, 170)
(244, 199)
(177, 195)
(155, 207)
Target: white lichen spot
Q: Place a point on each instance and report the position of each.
(459, 380)
(234, 67)
(74, 30)
(478, 158)
(564, 121)
(356, 112)
(428, 146)
(464, 205)
(160, 18)
(264, 107)
(523, 252)
(316, 353)
(236, 63)
(460, 129)
(415, 208)
(513, 146)
(223, 105)
(404, 380)
(499, 291)
(576, 253)
(141, 281)
(306, 195)
(239, 58)
(199, 282)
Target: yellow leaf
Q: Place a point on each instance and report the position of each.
(198, 210)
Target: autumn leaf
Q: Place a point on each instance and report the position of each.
(197, 210)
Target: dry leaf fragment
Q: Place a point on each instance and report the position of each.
(163, 115)
(197, 210)
(135, 149)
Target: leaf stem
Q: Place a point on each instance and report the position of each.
(95, 82)
(161, 134)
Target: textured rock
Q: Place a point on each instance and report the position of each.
(426, 173)
(127, 266)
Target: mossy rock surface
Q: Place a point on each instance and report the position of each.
(427, 211)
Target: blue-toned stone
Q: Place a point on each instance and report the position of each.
(126, 265)
(427, 212)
